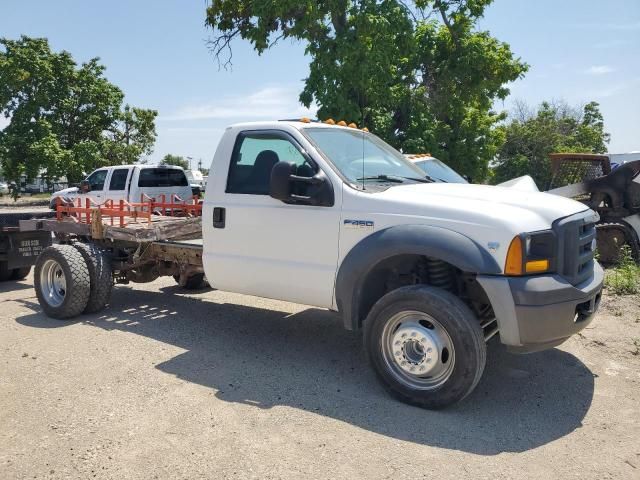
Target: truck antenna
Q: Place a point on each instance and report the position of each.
(363, 187)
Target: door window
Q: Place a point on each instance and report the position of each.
(119, 179)
(97, 179)
(253, 158)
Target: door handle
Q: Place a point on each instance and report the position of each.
(219, 216)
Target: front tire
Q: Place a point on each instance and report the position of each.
(62, 281)
(426, 346)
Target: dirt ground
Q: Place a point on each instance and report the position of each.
(168, 384)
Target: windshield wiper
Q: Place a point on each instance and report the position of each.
(386, 178)
(397, 178)
(426, 179)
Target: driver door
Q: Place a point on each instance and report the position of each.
(97, 181)
(262, 246)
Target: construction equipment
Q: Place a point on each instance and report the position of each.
(613, 193)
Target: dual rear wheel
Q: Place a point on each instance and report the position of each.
(72, 279)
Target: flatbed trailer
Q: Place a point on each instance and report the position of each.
(117, 245)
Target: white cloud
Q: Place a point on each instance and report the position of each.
(4, 121)
(622, 26)
(609, 26)
(616, 42)
(599, 70)
(612, 89)
(268, 102)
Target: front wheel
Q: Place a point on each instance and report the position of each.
(425, 345)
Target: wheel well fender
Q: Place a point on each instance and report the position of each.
(422, 240)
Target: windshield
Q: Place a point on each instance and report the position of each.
(440, 171)
(363, 157)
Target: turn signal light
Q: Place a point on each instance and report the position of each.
(535, 266)
(513, 265)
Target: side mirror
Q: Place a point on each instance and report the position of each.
(85, 186)
(318, 189)
(280, 184)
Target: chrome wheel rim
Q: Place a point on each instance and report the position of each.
(417, 350)
(53, 283)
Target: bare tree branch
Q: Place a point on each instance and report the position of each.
(445, 19)
(222, 43)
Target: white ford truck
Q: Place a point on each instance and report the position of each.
(130, 183)
(331, 216)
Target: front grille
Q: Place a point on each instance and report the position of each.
(576, 235)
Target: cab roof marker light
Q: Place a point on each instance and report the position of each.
(365, 129)
(330, 121)
(342, 123)
(352, 125)
(305, 120)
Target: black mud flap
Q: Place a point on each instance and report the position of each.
(21, 249)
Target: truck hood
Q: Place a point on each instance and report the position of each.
(524, 183)
(65, 191)
(481, 204)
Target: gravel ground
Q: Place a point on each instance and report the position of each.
(23, 208)
(165, 384)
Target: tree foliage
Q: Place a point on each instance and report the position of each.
(64, 118)
(532, 135)
(176, 160)
(418, 73)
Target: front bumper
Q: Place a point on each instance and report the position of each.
(541, 311)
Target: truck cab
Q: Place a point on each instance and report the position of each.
(129, 183)
(331, 216)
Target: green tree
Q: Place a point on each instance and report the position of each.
(131, 135)
(532, 135)
(419, 74)
(177, 160)
(63, 118)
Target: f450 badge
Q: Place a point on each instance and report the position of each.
(359, 224)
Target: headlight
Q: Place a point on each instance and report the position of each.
(531, 253)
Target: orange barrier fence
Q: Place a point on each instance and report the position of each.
(121, 210)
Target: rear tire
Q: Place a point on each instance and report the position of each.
(5, 273)
(100, 276)
(20, 273)
(425, 345)
(62, 282)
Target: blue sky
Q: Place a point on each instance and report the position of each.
(579, 50)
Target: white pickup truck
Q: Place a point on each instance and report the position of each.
(331, 216)
(130, 183)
